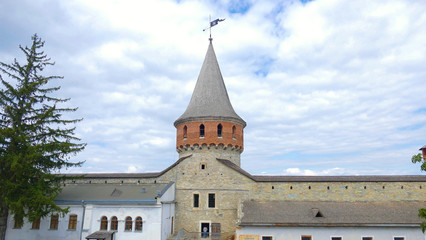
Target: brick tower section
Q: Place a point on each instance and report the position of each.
(229, 135)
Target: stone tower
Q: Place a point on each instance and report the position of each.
(209, 120)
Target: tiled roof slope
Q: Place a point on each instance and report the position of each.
(365, 178)
(210, 99)
(305, 213)
(267, 178)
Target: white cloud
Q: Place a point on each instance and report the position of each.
(326, 87)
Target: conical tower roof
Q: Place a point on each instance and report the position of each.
(210, 99)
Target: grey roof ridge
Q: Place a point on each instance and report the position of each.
(165, 189)
(354, 178)
(235, 167)
(126, 175)
(344, 178)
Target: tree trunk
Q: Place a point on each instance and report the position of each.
(3, 222)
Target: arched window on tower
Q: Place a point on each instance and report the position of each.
(219, 130)
(233, 132)
(104, 223)
(201, 130)
(185, 132)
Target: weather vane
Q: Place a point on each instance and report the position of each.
(212, 24)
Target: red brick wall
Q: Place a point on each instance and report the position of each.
(210, 134)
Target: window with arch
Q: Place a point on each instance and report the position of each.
(72, 224)
(138, 224)
(202, 130)
(114, 223)
(104, 223)
(128, 224)
(185, 132)
(219, 130)
(233, 132)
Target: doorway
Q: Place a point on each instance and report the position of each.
(205, 230)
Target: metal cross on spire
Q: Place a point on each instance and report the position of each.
(212, 24)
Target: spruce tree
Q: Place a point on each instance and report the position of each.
(35, 141)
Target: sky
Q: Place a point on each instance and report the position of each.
(326, 87)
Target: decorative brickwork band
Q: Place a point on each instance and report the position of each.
(210, 133)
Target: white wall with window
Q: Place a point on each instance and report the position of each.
(130, 219)
(328, 233)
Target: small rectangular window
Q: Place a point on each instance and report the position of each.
(266, 237)
(367, 238)
(196, 200)
(398, 238)
(54, 219)
(336, 238)
(36, 224)
(72, 224)
(306, 237)
(212, 200)
(16, 225)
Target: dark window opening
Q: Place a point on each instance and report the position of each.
(212, 200)
(219, 130)
(304, 237)
(367, 238)
(336, 238)
(233, 132)
(398, 238)
(273, 187)
(196, 200)
(319, 214)
(266, 237)
(203, 166)
(202, 130)
(205, 230)
(185, 132)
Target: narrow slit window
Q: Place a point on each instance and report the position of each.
(212, 200)
(196, 200)
(185, 132)
(219, 130)
(233, 132)
(202, 130)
